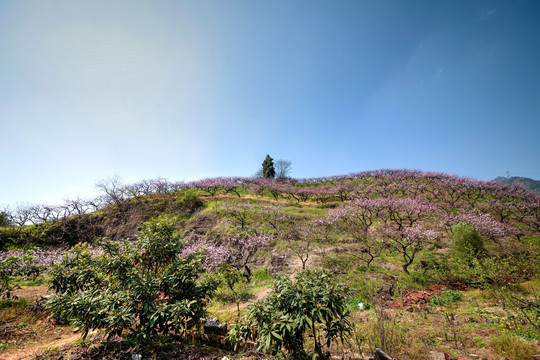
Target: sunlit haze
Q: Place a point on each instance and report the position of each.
(193, 89)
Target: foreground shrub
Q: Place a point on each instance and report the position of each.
(312, 304)
(144, 287)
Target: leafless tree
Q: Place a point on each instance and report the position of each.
(115, 192)
(283, 168)
(22, 215)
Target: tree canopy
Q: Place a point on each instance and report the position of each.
(268, 167)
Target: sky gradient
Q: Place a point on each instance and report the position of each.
(192, 89)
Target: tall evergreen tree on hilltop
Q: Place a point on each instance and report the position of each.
(268, 167)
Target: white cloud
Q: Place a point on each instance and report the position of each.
(487, 14)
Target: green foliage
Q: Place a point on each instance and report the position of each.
(313, 303)
(355, 301)
(418, 278)
(468, 262)
(233, 286)
(188, 200)
(78, 271)
(146, 287)
(268, 169)
(238, 333)
(446, 298)
(14, 266)
(466, 243)
(261, 277)
(4, 219)
(8, 236)
(7, 272)
(47, 233)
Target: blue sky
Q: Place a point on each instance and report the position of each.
(193, 89)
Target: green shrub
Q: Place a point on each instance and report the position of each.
(468, 258)
(145, 288)
(5, 219)
(466, 243)
(313, 303)
(418, 278)
(8, 267)
(9, 236)
(189, 200)
(446, 298)
(46, 233)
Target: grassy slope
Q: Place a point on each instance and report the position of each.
(478, 323)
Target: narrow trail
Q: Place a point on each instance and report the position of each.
(59, 338)
(256, 297)
(31, 352)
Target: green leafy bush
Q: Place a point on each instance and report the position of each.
(46, 233)
(466, 243)
(418, 278)
(145, 288)
(312, 304)
(446, 298)
(5, 219)
(468, 258)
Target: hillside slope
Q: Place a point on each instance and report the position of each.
(526, 182)
(442, 262)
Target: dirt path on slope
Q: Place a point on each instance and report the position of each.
(255, 297)
(43, 334)
(33, 351)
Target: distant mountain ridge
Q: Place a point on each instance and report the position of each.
(526, 182)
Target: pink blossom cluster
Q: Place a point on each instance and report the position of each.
(419, 232)
(40, 257)
(215, 255)
(485, 224)
(238, 250)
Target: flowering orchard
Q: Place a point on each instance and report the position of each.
(154, 282)
(448, 193)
